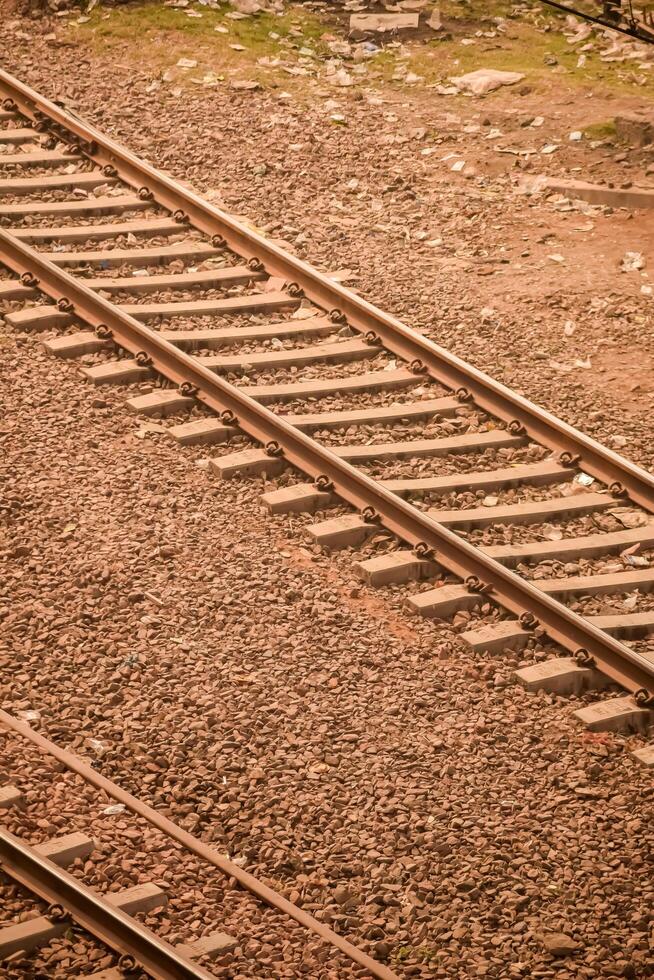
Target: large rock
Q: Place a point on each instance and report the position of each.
(558, 944)
(637, 130)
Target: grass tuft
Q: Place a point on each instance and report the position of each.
(161, 35)
(601, 130)
(158, 36)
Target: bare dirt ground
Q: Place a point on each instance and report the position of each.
(360, 759)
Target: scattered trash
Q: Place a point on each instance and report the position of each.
(186, 63)
(435, 20)
(632, 262)
(558, 366)
(619, 442)
(529, 184)
(210, 80)
(114, 808)
(342, 275)
(583, 32)
(342, 49)
(636, 561)
(342, 78)
(568, 328)
(576, 136)
(245, 86)
(29, 715)
(584, 479)
(556, 258)
(485, 80)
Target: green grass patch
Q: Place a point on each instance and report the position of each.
(155, 37)
(151, 19)
(600, 130)
(160, 35)
(526, 46)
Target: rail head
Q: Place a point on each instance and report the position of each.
(606, 465)
(196, 846)
(418, 529)
(120, 931)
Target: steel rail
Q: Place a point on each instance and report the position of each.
(196, 846)
(625, 666)
(397, 337)
(121, 932)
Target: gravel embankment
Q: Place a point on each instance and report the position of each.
(397, 785)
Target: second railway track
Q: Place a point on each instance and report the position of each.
(135, 861)
(490, 497)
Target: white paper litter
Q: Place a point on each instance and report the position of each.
(485, 80)
(632, 262)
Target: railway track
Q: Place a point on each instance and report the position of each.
(132, 843)
(485, 496)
